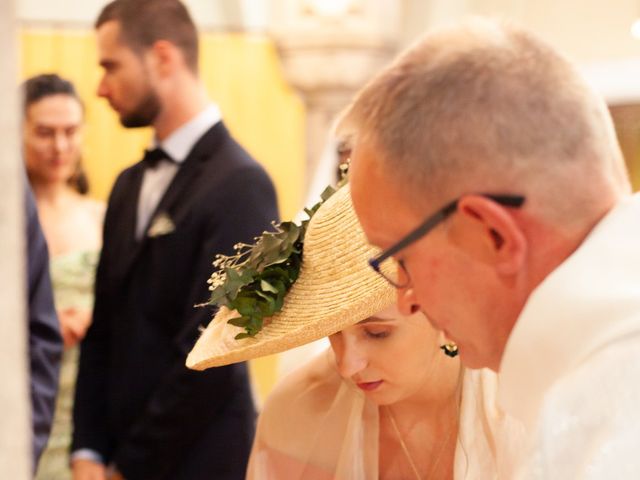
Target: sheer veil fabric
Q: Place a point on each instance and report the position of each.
(316, 426)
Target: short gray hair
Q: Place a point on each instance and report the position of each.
(489, 103)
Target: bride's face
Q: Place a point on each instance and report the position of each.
(389, 357)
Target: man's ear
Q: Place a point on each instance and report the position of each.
(490, 233)
(163, 56)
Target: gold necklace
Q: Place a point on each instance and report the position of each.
(403, 445)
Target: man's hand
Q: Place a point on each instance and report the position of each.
(116, 475)
(88, 470)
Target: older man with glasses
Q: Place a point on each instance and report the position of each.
(532, 266)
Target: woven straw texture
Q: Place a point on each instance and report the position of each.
(336, 288)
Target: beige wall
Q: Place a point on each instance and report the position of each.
(208, 14)
(585, 30)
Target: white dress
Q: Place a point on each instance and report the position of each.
(316, 426)
(72, 278)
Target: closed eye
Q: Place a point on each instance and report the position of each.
(376, 334)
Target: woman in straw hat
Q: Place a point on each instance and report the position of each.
(383, 402)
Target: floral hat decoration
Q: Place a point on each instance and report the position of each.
(295, 285)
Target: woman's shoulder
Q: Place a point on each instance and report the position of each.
(308, 390)
(317, 374)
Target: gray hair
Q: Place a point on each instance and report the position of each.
(487, 106)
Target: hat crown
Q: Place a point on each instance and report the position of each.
(333, 234)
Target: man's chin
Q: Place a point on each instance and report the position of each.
(131, 121)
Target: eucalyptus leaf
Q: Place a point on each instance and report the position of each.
(255, 280)
(267, 287)
(238, 321)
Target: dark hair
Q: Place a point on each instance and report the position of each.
(144, 22)
(38, 87)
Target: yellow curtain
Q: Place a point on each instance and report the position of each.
(242, 75)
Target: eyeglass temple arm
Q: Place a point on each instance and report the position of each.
(515, 201)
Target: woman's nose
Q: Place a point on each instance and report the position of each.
(61, 142)
(351, 360)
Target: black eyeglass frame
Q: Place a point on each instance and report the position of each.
(514, 201)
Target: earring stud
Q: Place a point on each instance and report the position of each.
(450, 349)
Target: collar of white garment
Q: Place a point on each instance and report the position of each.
(590, 300)
(180, 142)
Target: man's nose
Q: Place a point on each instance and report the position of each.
(102, 90)
(407, 301)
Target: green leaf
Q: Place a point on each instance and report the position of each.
(217, 295)
(238, 321)
(326, 194)
(256, 279)
(267, 287)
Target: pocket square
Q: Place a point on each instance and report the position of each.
(161, 225)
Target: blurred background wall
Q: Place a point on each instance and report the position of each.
(282, 69)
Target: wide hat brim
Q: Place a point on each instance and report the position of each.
(336, 288)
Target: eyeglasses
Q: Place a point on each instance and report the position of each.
(394, 271)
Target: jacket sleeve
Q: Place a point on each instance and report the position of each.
(90, 405)
(187, 402)
(45, 341)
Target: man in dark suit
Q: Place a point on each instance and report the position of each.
(139, 412)
(45, 341)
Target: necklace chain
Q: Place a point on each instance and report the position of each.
(405, 450)
(403, 445)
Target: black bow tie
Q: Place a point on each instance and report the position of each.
(153, 157)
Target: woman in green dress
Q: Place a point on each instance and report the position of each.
(72, 223)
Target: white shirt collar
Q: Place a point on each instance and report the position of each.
(180, 142)
(592, 298)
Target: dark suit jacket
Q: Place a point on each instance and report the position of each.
(45, 342)
(136, 402)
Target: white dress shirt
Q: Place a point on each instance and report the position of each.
(571, 367)
(156, 180)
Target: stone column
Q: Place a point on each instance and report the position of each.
(328, 55)
(329, 49)
(15, 433)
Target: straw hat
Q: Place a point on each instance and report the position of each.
(336, 288)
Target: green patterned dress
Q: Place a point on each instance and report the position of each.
(72, 276)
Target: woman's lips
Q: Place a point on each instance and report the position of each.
(369, 386)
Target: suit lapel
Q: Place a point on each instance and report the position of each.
(179, 188)
(173, 203)
(128, 213)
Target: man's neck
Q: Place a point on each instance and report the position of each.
(180, 108)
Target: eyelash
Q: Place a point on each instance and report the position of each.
(377, 336)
